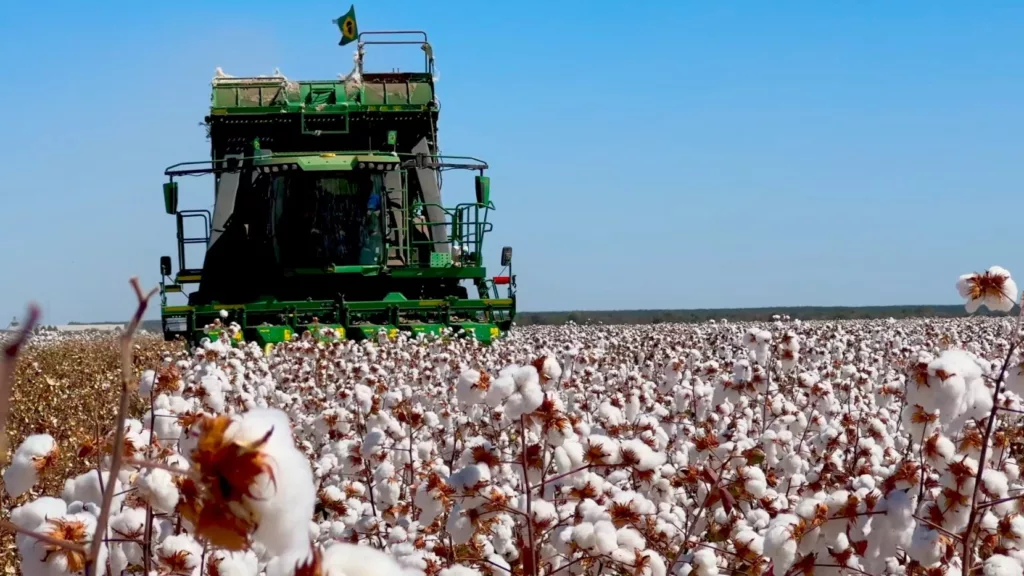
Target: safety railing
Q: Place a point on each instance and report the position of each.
(183, 240)
(466, 225)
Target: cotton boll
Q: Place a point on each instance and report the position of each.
(85, 488)
(230, 563)
(78, 528)
(472, 387)
(180, 554)
(705, 563)
(994, 289)
(999, 565)
(342, 559)
(281, 493)
(29, 516)
(35, 454)
(157, 487)
(779, 545)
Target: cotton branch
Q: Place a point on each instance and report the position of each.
(7, 364)
(127, 376)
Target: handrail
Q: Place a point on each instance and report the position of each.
(170, 170)
(428, 52)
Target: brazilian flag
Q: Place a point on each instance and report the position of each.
(347, 26)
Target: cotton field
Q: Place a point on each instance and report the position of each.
(788, 447)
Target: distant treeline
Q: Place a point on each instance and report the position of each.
(741, 314)
(731, 314)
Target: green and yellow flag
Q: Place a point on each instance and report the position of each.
(347, 26)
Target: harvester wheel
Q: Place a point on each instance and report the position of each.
(268, 348)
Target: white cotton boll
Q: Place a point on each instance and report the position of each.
(342, 559)
(165, 425)
(544, 513)
(85, 488)
(472, 387)
(779, 545)
(501, 388)
(999, 565)
(285, 506)
(146, 382)
(213, 392)
(1012, 471)
(130, 524)
(630, 540)
(1001, 300)
(29, 459)
(926, 546)
(606, 538)
(29, 516)
(231, 563)
(459, 525)
(754, 481)
(584, 535)
(157, 487)
(79, 527)
(363, 398)
(705, 563)
(181, 553)
(995, 482)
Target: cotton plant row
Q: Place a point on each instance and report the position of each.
(786, 447)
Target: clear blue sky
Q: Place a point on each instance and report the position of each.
(644, 154)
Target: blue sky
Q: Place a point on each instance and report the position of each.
(644, 154)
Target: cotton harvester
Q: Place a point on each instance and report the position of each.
(327, 213)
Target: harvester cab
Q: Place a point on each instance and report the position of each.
(328, 214)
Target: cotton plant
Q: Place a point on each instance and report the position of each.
(778, 447)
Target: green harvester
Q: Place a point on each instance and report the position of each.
(328, 214)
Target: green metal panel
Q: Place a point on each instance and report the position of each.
(420, 93)
(396, 94)
(373, 93)
(440, 260)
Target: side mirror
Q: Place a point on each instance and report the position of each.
(165, 266)
(506, 256)
(171, 197)
(483, 189)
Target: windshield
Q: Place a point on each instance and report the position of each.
(321, 219)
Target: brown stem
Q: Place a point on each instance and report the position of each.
(122, 416)
(7, 364)
(968, 533)
(532, 546)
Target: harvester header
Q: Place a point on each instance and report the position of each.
(328, 212)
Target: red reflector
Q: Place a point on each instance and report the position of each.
(502, 280)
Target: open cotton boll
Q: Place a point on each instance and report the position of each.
(85, 488)
(779, 545)
(29, 516)
(264, 489)
(342, 559)
(146, 382)
(230, 563)
(705, 562)
(994, 289)
(999, 565)
(35, 454)
(130, 524)
(472, 387)
(158, 488)
(180, 554)
(77, 528)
